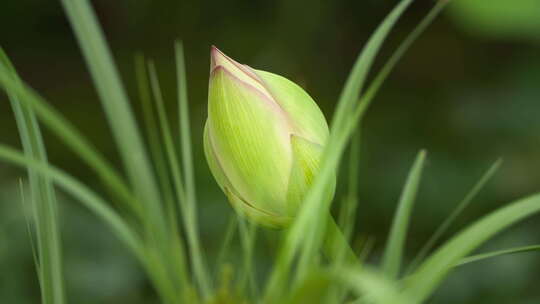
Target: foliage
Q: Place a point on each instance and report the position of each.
(153, 209)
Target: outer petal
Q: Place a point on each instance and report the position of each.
(250, 138)
(305, 166)
(240, 205)
(242, 72)
(307, 119)
(213, 163)
(254, 214)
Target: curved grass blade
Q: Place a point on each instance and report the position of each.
(164, 180)
(119, 115)
(498, 253)
(28, 208)
(361, 108)
(396, 56)
(303, 234)
(355, 81)
(71, 137)
(125, 233)
(175, 172)
(347, 215)
(369, 285)
(457, 211)
(45, 211)
(84, 194)
(336, 246)
(122, 122)
(393, 253)
(153, 135)
(431, 272)
(248, 238)
(314, 288)
(226, 244)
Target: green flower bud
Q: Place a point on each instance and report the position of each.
(263, 140)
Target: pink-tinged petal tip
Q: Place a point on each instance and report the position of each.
(217, 58)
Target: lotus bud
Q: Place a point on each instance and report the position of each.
(263, 140)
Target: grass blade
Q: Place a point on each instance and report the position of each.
(78, 190)
(159, 157)
(190, 202)
(430, 273)
(393, 253)
(455, 213)
(396, 56)
(371, 286)
(498, 253)
(306, 232)
(28, 208)
(119, 113)
(154, 135)
(226, 244)
(355, 81)
(175, 171)
(171, 159)
(336, 246)
(71, 137)
(248, 238)
(122, 122)
(347, 216)
(345, 254)
(45, 209)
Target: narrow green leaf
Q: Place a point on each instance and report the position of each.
(347, 218)
(355, 81)
(119, 114)
(396, 56)
(367, 247)
(28, 208)
(371, 286)
(154, 137)
(421, 284)
(498, 253)
(160, 161)
(455, 213)
(393, 253)
(312, 290)
(306, 231)
(122, 122)
(248, 237)
(84, 194)
(190, 202)
(336, 246)
(71, 137)
(347, 215)
(382, 75)
(173, 165)
(156, 270)
(226, 244)
(45, 209)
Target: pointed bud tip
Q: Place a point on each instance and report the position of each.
(217, 57)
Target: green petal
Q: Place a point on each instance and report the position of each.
(254, 214)
(306, 117)
(305, 166)
(240, 205)
(250, 137)
(213, 163)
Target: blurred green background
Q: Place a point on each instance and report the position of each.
(468, 92)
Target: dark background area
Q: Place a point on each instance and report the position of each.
(468, 91)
